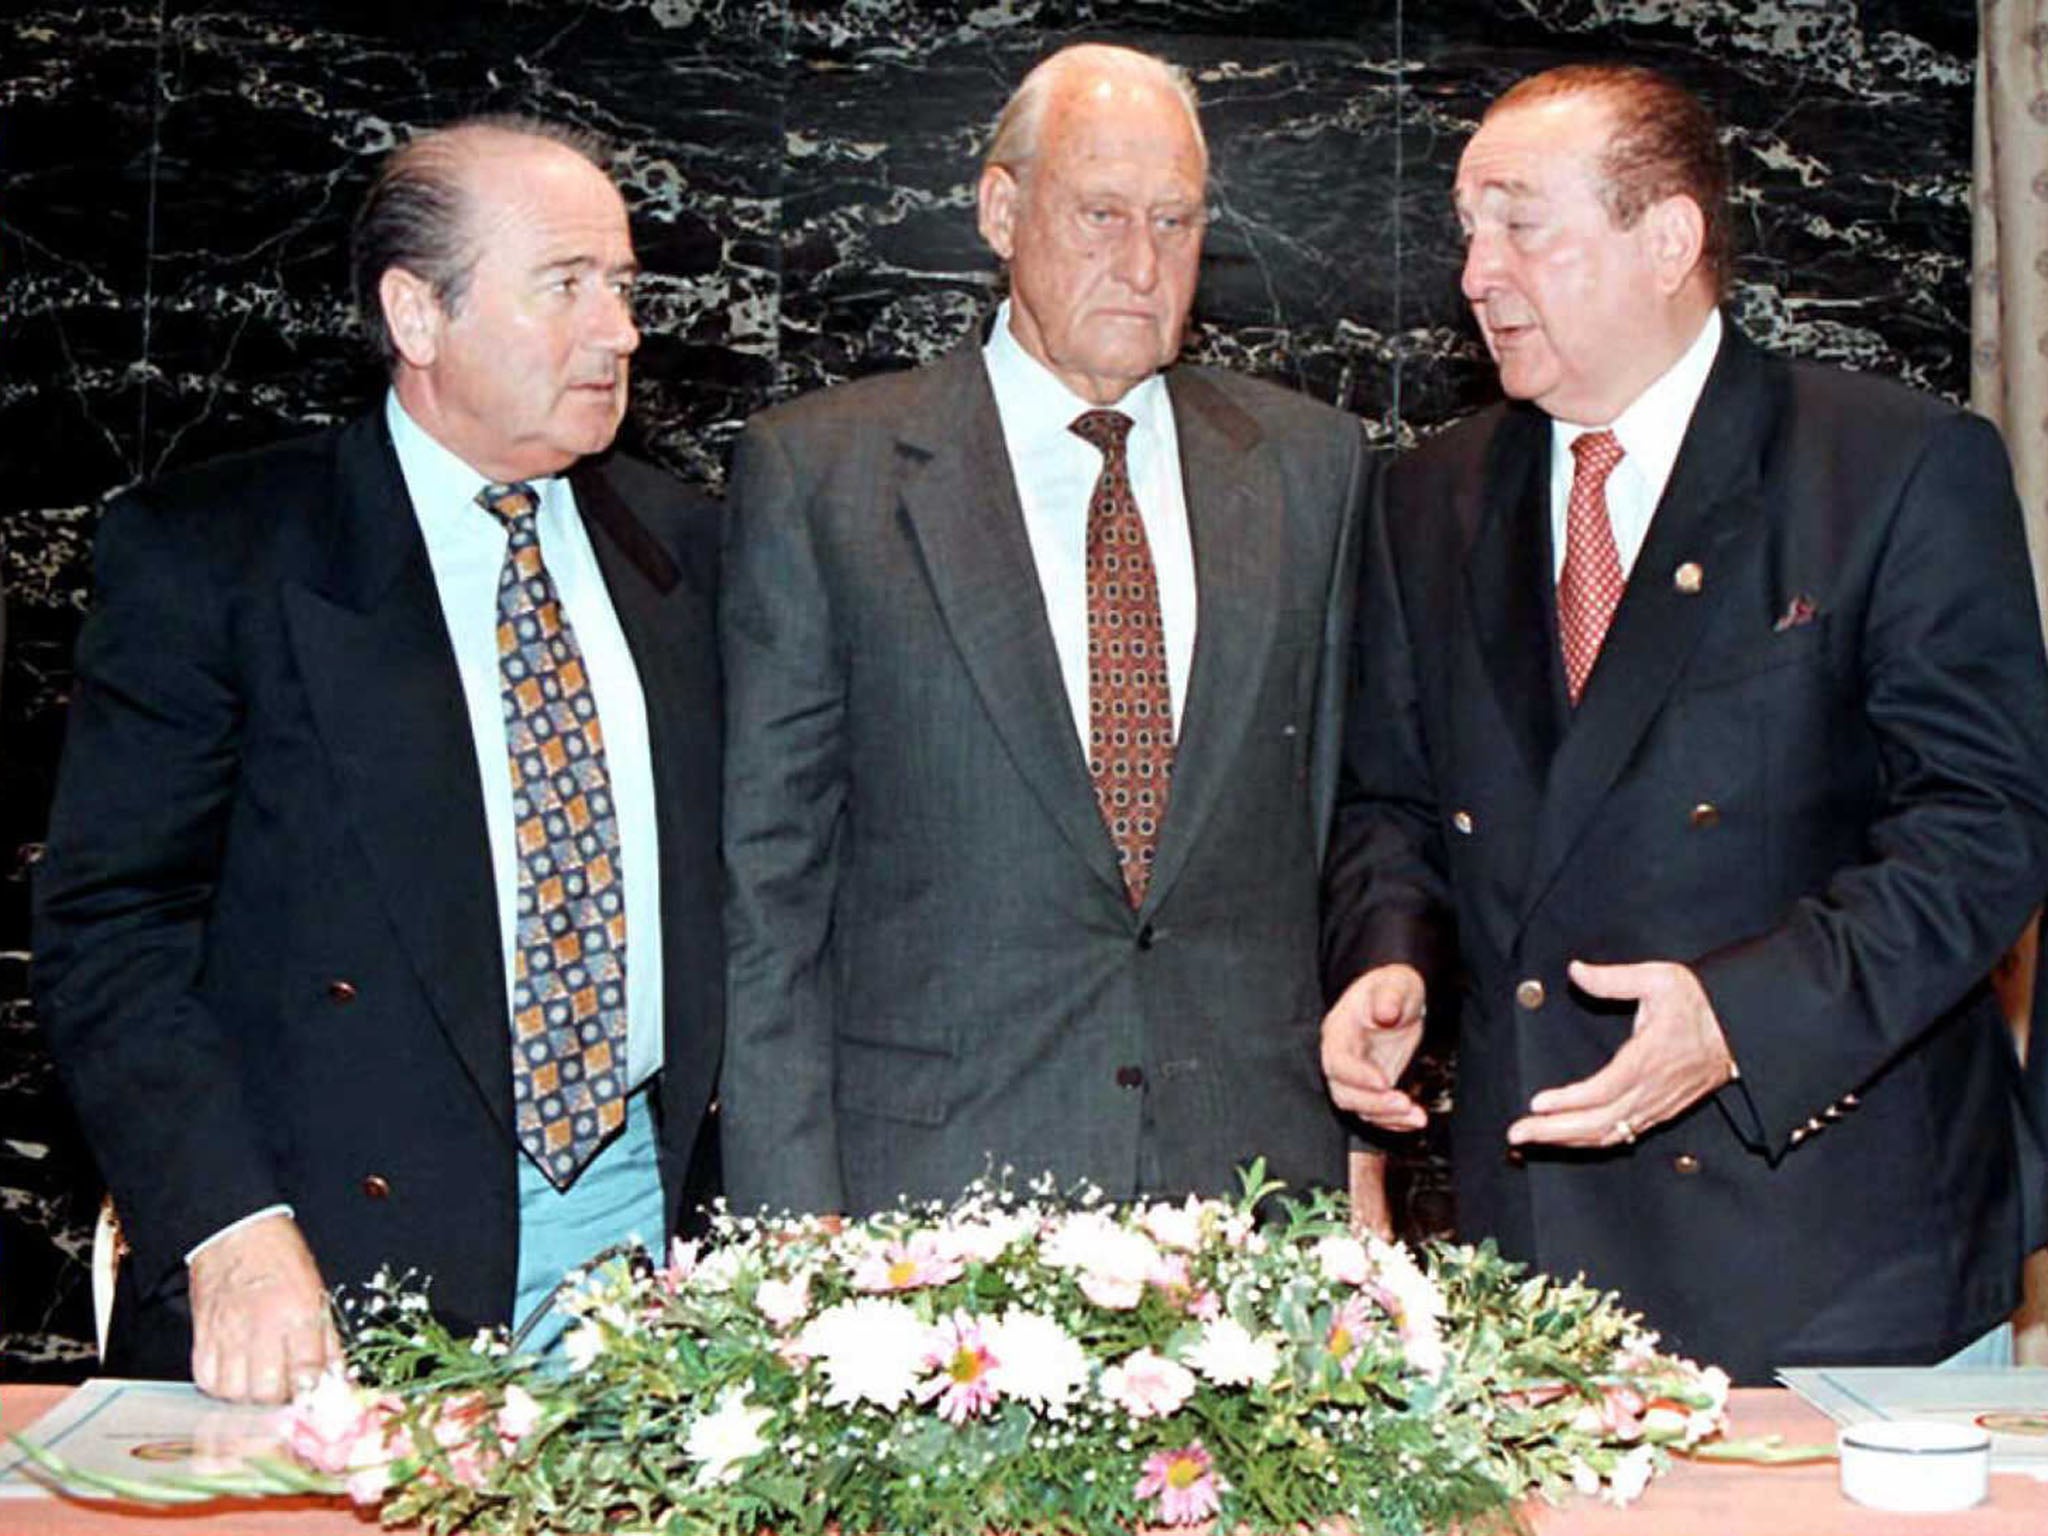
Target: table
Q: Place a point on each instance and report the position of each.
(1693, 1499)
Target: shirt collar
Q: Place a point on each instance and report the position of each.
(1036, 406)
(1653, 427)
(438, 479)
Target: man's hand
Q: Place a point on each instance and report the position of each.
(260, 1325)
(1675, 1056)
(1369, 1034)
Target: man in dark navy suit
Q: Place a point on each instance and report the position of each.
(393, 762)
(1699, 771)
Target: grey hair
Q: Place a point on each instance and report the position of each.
(1014, 144)
(416, 214)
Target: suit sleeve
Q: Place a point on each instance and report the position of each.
(1385, 895)
(123, 896)
(785, 801)
(1954, 689)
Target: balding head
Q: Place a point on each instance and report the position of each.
(1081, 68)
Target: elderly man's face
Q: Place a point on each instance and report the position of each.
(529, 373)
(1571, 306)
(1103, 233)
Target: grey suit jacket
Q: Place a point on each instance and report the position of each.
(934, 969)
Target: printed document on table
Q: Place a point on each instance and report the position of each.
(2011, 1404)
(143, 1431)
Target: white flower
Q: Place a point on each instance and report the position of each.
(1585, 1480)
(1229, 1355)
(715, 1273)
(1631, 1475)
(784, 1302)
(1114, 1261)
(1342, 1260)
(582, 1345)
(984, 1240)
(723, 1438)
(1175, 1226)
(1417, 1305)
(1147, 1385)
(871, 1350)
(520, 1415)
(1041, 1362)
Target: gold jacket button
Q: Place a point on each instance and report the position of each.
(341, 990)
(1689, 578)
(1529, 994)
(1462, 820)
(1685, 1163)
(1705, 814)
(377, 1187)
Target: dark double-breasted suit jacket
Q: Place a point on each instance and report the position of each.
(1811, 763)
(267, 943)
(935, 969)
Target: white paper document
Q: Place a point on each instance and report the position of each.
(143, 1431)
(2011, 1404)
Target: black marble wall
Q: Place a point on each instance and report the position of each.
(176, 178)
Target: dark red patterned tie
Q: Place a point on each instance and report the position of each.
(569, 973)
(1589, 586)
(1130, 701)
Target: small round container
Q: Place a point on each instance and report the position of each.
(1918, 1466)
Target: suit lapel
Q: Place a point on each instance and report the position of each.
(960, 496)
(1507, 583)
(1712, 502)
(372, 649)
(1235, 505)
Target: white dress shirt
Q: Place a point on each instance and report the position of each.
(1056, 474)
(466, 548)
(1650, 432)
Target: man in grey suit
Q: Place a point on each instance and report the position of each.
(1032, 659)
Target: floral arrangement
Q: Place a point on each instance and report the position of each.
(1030, 1365)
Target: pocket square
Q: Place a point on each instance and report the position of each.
(1801, 610)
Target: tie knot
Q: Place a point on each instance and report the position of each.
(1597, 453)
(1104, 429)
(512, 500)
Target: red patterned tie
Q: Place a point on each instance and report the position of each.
(1589, 586)
(1130, 702)
(569, 972)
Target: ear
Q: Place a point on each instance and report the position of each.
(1677, 233)
(412, 315)
(996, 207)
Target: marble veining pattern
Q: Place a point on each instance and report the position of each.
(176, 178)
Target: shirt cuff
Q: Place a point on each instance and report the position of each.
(235, 1226)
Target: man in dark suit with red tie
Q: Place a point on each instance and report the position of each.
(379, 922)
(1700, 774)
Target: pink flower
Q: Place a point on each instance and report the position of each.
(1618, 1414)
(1147, 1385)
(965, 1379)
(682, 1263)
(784, 1303)
(906, 1266)
(1184, 1482)
(1349, 1325)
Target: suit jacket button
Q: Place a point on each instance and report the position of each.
(341, 991)
(1130, 1077)
(1529, 994)
(1705, 814)
(377, 1187)
(1462, 820)
(1145, 936)
(1514, 1157)
(1685, 1163)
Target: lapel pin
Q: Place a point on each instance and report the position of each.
(1688, 578)
(1800, 611)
